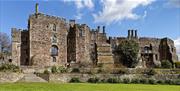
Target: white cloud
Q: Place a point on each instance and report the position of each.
(173, 3)
(80, 4)
(117, 10)
(177, 44)
(145, 14)
(78, 16)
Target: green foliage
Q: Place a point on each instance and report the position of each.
(74, 80)
(151, 81)
(143, 81)
(160, 82)
(135, 81)
(112, 80)
(93, 80)
(177, 82)
(9, 67)
(126, 80)
(166, 64)
(46, 71)
(177, 64)
(128, 50)
(54, 69)
(151, 72)
(75, 70)
(61, 69)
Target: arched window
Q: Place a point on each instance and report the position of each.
(54, 39)
(54, 27)
(54, 50)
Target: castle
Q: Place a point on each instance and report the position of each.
(51, 40)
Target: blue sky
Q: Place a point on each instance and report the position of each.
(152, 18)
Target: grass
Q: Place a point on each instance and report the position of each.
(84, 87)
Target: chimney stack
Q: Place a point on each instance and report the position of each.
(129, 33)
(98, 28)
(104, 29)
(132, 33)
(135, 33)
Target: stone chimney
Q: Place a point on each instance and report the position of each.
(98, 28)
(132, 33)
(136, 34)
(104, 29)
(129, 33)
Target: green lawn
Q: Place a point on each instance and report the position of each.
(85, 87)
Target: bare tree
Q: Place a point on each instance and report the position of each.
(5, 43)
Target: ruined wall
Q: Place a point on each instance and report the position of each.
(24, 48)
(167, 50)
(42, 29)
(149, 50)
(16, 46)
(79, 43)
(83, 43)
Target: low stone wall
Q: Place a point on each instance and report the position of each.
(64, 78)
(10, 77)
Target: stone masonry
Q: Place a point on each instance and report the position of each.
(51, 40)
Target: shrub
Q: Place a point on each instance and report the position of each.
(177, 64)
(166, 64)
(135, 81)
(93, 80)
(177, 82)
(151, 81)
(126, 80)
(160, 82)
(103, 81)
(75, 80)
(62, 69)
(9, 67)
(168, 82)
(143, 81)
(54, 69)
(46, 71)
(128, 50)
(75, 70)
(151, 72)
(112, 80)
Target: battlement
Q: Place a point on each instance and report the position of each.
(41, 16)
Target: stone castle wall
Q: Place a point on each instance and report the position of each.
(42, 30)
(78, 43)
